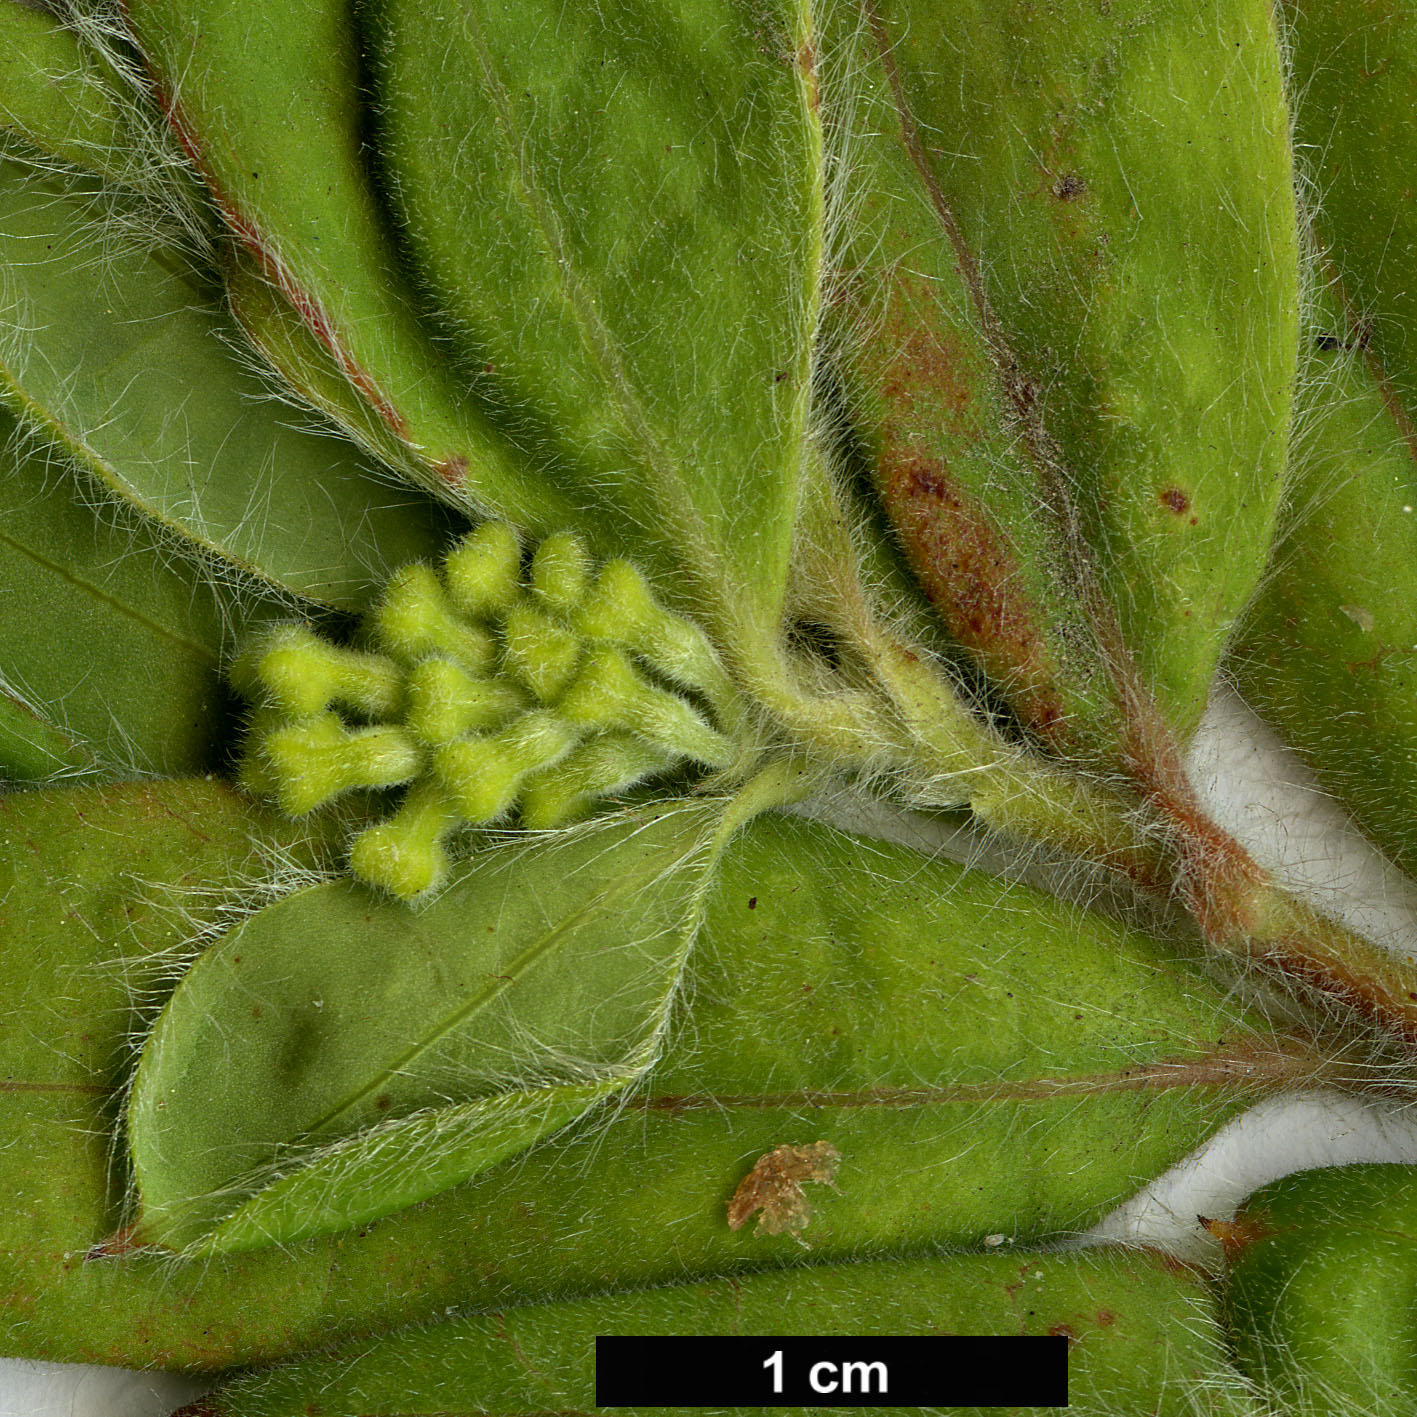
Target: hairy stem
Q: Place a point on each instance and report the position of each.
(1154, 832)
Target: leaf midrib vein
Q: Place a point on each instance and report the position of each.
(511, 973)
(193, 647)
(674, 504)
(1281, 1068)
(89, 1089)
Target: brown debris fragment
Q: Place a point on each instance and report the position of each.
(774, 1187)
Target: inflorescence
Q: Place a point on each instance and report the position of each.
(481, 693)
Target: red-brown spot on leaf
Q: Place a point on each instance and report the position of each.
(452, 469)
(1236, 1236)
(120, 1243)
(807, 67)
(936, 388)
(969, 572)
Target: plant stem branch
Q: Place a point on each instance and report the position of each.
(1161, 841)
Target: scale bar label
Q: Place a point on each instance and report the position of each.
(944, 1371)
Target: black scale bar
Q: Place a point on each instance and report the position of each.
(832, 1372)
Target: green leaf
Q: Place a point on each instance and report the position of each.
(1355, 74)
(1142, 1334)
(647, 180)
(337, 1056)
(31, 747)
(1321, 1289)
(1329, 651)
(931, 423)
(275, 328)
(801, 1020)
(97, 886)
(332, 1012)
(109, 644)
(1068, 324)
(125, 361)
(61, 96)
(236, 84)
(95, 879)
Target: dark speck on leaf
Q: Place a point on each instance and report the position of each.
(1331, 344)
(1069, 187)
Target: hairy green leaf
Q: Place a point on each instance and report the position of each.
(31, 747)
(337, 1056)
(802, 1020)
(648, 180)
(1068, 315)
(275, 328)
(126, 361)
(97, 885)
(326, 1013)
(1355, 77)
(1143, 1337)
(1329, 652)
(236, 83)
(60, 96)
(1321, 1289)
(109, 645)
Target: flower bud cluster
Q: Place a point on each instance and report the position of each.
(483, 691)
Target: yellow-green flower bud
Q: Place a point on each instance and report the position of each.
(483, 571)
(254, 771)
(486, 698)
(415, 619)
(405, 854)
(541, 653)
(621, 609)
(484, 775)
(294, 670)
(607, 693)
(319, 758)
(442, 702)
(560, 572)
(608, 763)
